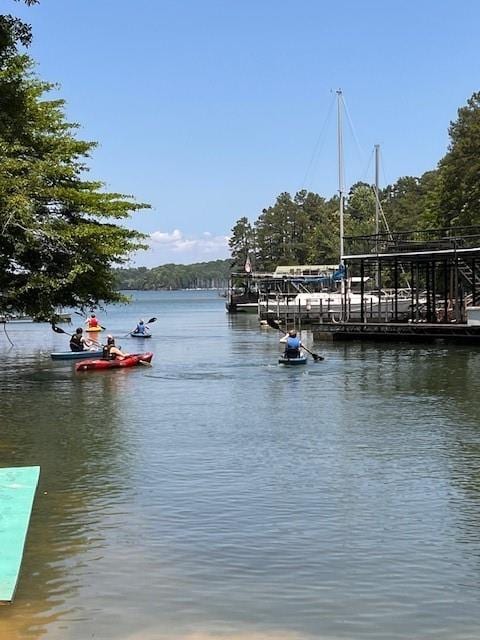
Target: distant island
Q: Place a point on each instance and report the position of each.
(201, 275)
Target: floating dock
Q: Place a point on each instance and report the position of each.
(17, 492)
(394, 332)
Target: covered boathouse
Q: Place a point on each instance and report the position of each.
(426, 284)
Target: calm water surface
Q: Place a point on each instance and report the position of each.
(218, 495)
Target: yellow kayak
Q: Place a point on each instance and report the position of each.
(92, 329)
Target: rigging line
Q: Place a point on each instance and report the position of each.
(352, 128)
(387, 227)
(365, 174)
(318, 144)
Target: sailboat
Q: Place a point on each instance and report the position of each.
(352, 299)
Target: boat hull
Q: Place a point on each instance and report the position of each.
(292, 361)
(140, 335)
(119, 363)
(93, 329)
(75, 355)
(332, 306)
(241, 307)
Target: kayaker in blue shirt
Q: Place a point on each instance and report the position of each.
(140, 328)
(292, 344)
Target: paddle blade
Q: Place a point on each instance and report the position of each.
(58, 329)
(317, 358)
(151, 320)
(272, 323)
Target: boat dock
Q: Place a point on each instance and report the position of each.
(17, 492)
(406, 286)
(398, 332)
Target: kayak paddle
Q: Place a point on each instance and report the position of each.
(272, 323)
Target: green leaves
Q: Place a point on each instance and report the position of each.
(298, 230)
(58, 237)
(458, 188)
(242, 242)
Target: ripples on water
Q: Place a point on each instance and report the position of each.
(218, 495)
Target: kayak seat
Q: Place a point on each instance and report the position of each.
(292, 353)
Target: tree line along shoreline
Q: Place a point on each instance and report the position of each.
(201, 275)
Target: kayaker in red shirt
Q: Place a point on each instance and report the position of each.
(92, 322)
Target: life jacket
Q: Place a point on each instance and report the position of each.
(92, 322)
(293, 343)
(106, 354)
(76, 343)
(292, 348)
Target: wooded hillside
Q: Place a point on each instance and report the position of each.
(202, 275)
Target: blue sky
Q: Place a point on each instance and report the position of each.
(208, 109)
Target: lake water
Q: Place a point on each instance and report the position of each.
(219, 495)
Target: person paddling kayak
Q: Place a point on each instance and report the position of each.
(78, 342)
(292, 344)
(112, 352)
(141, 328)
(92, 322)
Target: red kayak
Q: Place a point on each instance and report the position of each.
(130, 361)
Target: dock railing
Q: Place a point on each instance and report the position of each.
(411, 241)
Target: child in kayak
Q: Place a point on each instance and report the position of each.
(111, 352)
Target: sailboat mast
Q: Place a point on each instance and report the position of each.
(377, 184)
(377, 219)
(341, 172)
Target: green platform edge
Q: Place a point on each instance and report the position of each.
(17, 491)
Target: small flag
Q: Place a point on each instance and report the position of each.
(248, 265)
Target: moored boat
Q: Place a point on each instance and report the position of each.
(132, 360)
(302, 359)
(76, 355)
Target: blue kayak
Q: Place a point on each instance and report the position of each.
(135, 334)
(293, 361)
(76, 355)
